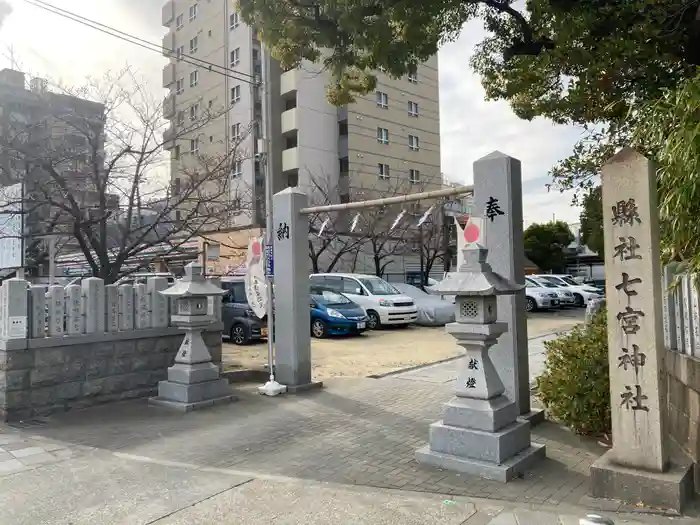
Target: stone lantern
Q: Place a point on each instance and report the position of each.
(193, 381)
(480, 433)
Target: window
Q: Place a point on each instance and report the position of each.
(193, 45)
(413, 176)
(413, 74)
(233, 20)
(180, 118)
(413, 143)
(237, 169)
(412, 109)
(193, 12)
(179, 22)
(235, 57)
(180, 86)
(383, 171)
(194, 145)
(178, 215)
(176, 152)
(194, 78)
(176, 186)
(235, 94)
(382, 100)
(179, 52)
(194, 111)
(236, 131)
(209, 32)
(383, 135)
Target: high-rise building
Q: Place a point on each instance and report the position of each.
(387, 142)
(53, 144)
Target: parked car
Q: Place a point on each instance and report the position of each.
(583, 293)
(413, 278)
(432, 309)
(565, 297)
(332, 313)
(241, 324)
(384, 304)
(539, 298)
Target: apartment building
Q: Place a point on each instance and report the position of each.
(387, 142)
(67, 132)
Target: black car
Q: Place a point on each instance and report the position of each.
(240, 322)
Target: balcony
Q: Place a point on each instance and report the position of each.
(289, 121)
(168, 75)
(168, 12)
(169, 107)
(168, 45)
(289, 81)
(169, 138)
(290, 160)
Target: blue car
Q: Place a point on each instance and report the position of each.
(334, 314)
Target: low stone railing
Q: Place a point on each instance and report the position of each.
(79, 345)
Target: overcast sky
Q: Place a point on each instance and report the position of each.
(48, 45)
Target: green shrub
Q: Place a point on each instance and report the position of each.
(575, 386)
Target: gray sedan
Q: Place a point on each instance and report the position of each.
(432, 310)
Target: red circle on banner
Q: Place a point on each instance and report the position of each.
(257, 249)
(471, 233)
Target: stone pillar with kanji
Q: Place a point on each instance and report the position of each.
(637, 469)
(480, 433)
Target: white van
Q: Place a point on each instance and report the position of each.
(384, 304)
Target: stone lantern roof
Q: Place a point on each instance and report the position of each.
(193, 284)
(475, 278)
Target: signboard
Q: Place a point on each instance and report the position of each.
(269, 261)
(255, 282)
(11, 255)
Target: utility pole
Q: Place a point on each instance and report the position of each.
(272, 387)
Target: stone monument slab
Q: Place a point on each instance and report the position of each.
(635, 340)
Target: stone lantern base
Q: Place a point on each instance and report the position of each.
(193, 381)
(480, 435)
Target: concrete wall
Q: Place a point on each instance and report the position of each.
(683, 383)
(42, 376)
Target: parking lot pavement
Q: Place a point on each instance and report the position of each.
(384, 351)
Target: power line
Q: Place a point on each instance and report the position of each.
(127, 37)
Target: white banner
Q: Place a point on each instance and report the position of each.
(255, 282)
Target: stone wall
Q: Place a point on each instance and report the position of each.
(683, 384)
(42, 376)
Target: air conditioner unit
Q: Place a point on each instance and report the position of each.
(38, 85)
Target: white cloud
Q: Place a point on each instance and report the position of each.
(472, 128)
(67, 51)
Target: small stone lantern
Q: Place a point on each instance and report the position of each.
(479, 433)
(193, 381)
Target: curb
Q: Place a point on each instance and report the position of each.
(414, 367)
(447, 360)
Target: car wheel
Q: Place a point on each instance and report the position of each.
(373, 321)
(239, 334)
(318, 329)
(578, 300)
(530, 305)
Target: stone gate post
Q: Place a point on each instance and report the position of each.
(498, 198)
(292, 311)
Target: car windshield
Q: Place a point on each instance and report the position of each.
(534, 284)
(550, 280)
(570, 281)
(331, 298)
(377, 286)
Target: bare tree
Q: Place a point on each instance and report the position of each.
(330, 240)
(382, 242)
(94, 170)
